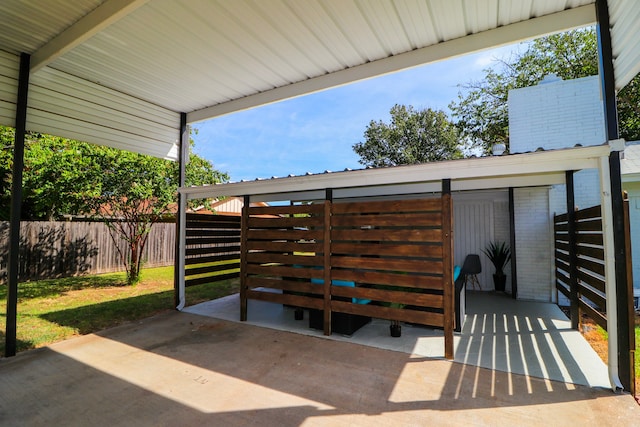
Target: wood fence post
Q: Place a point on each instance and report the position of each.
(447, 271)
(327, 260)
(244, 231)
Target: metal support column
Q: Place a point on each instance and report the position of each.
(573, 256)
(16, 204)
(178, 274)
(607, 80)
(512, 244)
(447, 269)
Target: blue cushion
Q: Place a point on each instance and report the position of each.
(344, 283)
(456, 272)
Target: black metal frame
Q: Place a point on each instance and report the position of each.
(182, 163)
(16, 206)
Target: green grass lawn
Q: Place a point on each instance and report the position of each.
(57, 309)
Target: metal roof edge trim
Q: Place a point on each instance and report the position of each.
(534, 163)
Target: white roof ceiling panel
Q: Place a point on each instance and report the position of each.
(212, 57)
(418, 23)
(33, 23)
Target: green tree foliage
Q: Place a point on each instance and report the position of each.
(128, 191)
(58, 177)
(6, 156)
(480, 112)
(136, 191)
(413, 136)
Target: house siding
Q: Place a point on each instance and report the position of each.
(634, 220)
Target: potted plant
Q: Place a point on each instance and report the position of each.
(395, 329)
(499, 254)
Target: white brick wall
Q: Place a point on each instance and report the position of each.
(534, 243)
(555, 115)
(552, 115)
(586, 186)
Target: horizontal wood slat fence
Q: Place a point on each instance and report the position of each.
(397, 253)
(579, 262)
(55, 249)
(212, 251)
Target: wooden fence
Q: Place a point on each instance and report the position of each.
(579, 253)
(212, 250)
(62, 249)
(390, 260)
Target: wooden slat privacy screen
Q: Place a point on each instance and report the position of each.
(212, 251)
(587, 275)
(399, 254)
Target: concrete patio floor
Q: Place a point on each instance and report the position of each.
(186, 369)
(500, 333)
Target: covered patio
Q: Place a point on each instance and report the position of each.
(133, 74)
(500, 334)
(186, 369)
(509, 335)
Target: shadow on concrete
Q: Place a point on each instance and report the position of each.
(527, 338)
(183, 369)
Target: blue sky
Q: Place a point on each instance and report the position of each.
(316, 132)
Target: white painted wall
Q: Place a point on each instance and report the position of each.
(554, 114)
(480, 218)
(534, 243)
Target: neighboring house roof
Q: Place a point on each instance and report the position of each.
(630, 164)
(227, 206)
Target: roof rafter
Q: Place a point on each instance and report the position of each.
(100, 18)
(556, 22)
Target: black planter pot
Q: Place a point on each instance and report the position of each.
(396, 330)
(499, 282)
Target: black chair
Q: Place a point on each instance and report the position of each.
(470, 269)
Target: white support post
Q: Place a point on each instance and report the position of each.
(609, 272)
(181, 251)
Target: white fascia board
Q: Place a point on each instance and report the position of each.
(100, 18)
(525, 165)
(524, 30)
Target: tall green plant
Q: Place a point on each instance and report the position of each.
(499, 254)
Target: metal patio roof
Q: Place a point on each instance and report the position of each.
(530, 169)
(120, 72)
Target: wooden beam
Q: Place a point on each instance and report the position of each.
(327, 260)
(91, 24)
(447, 268)
(243, 258)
